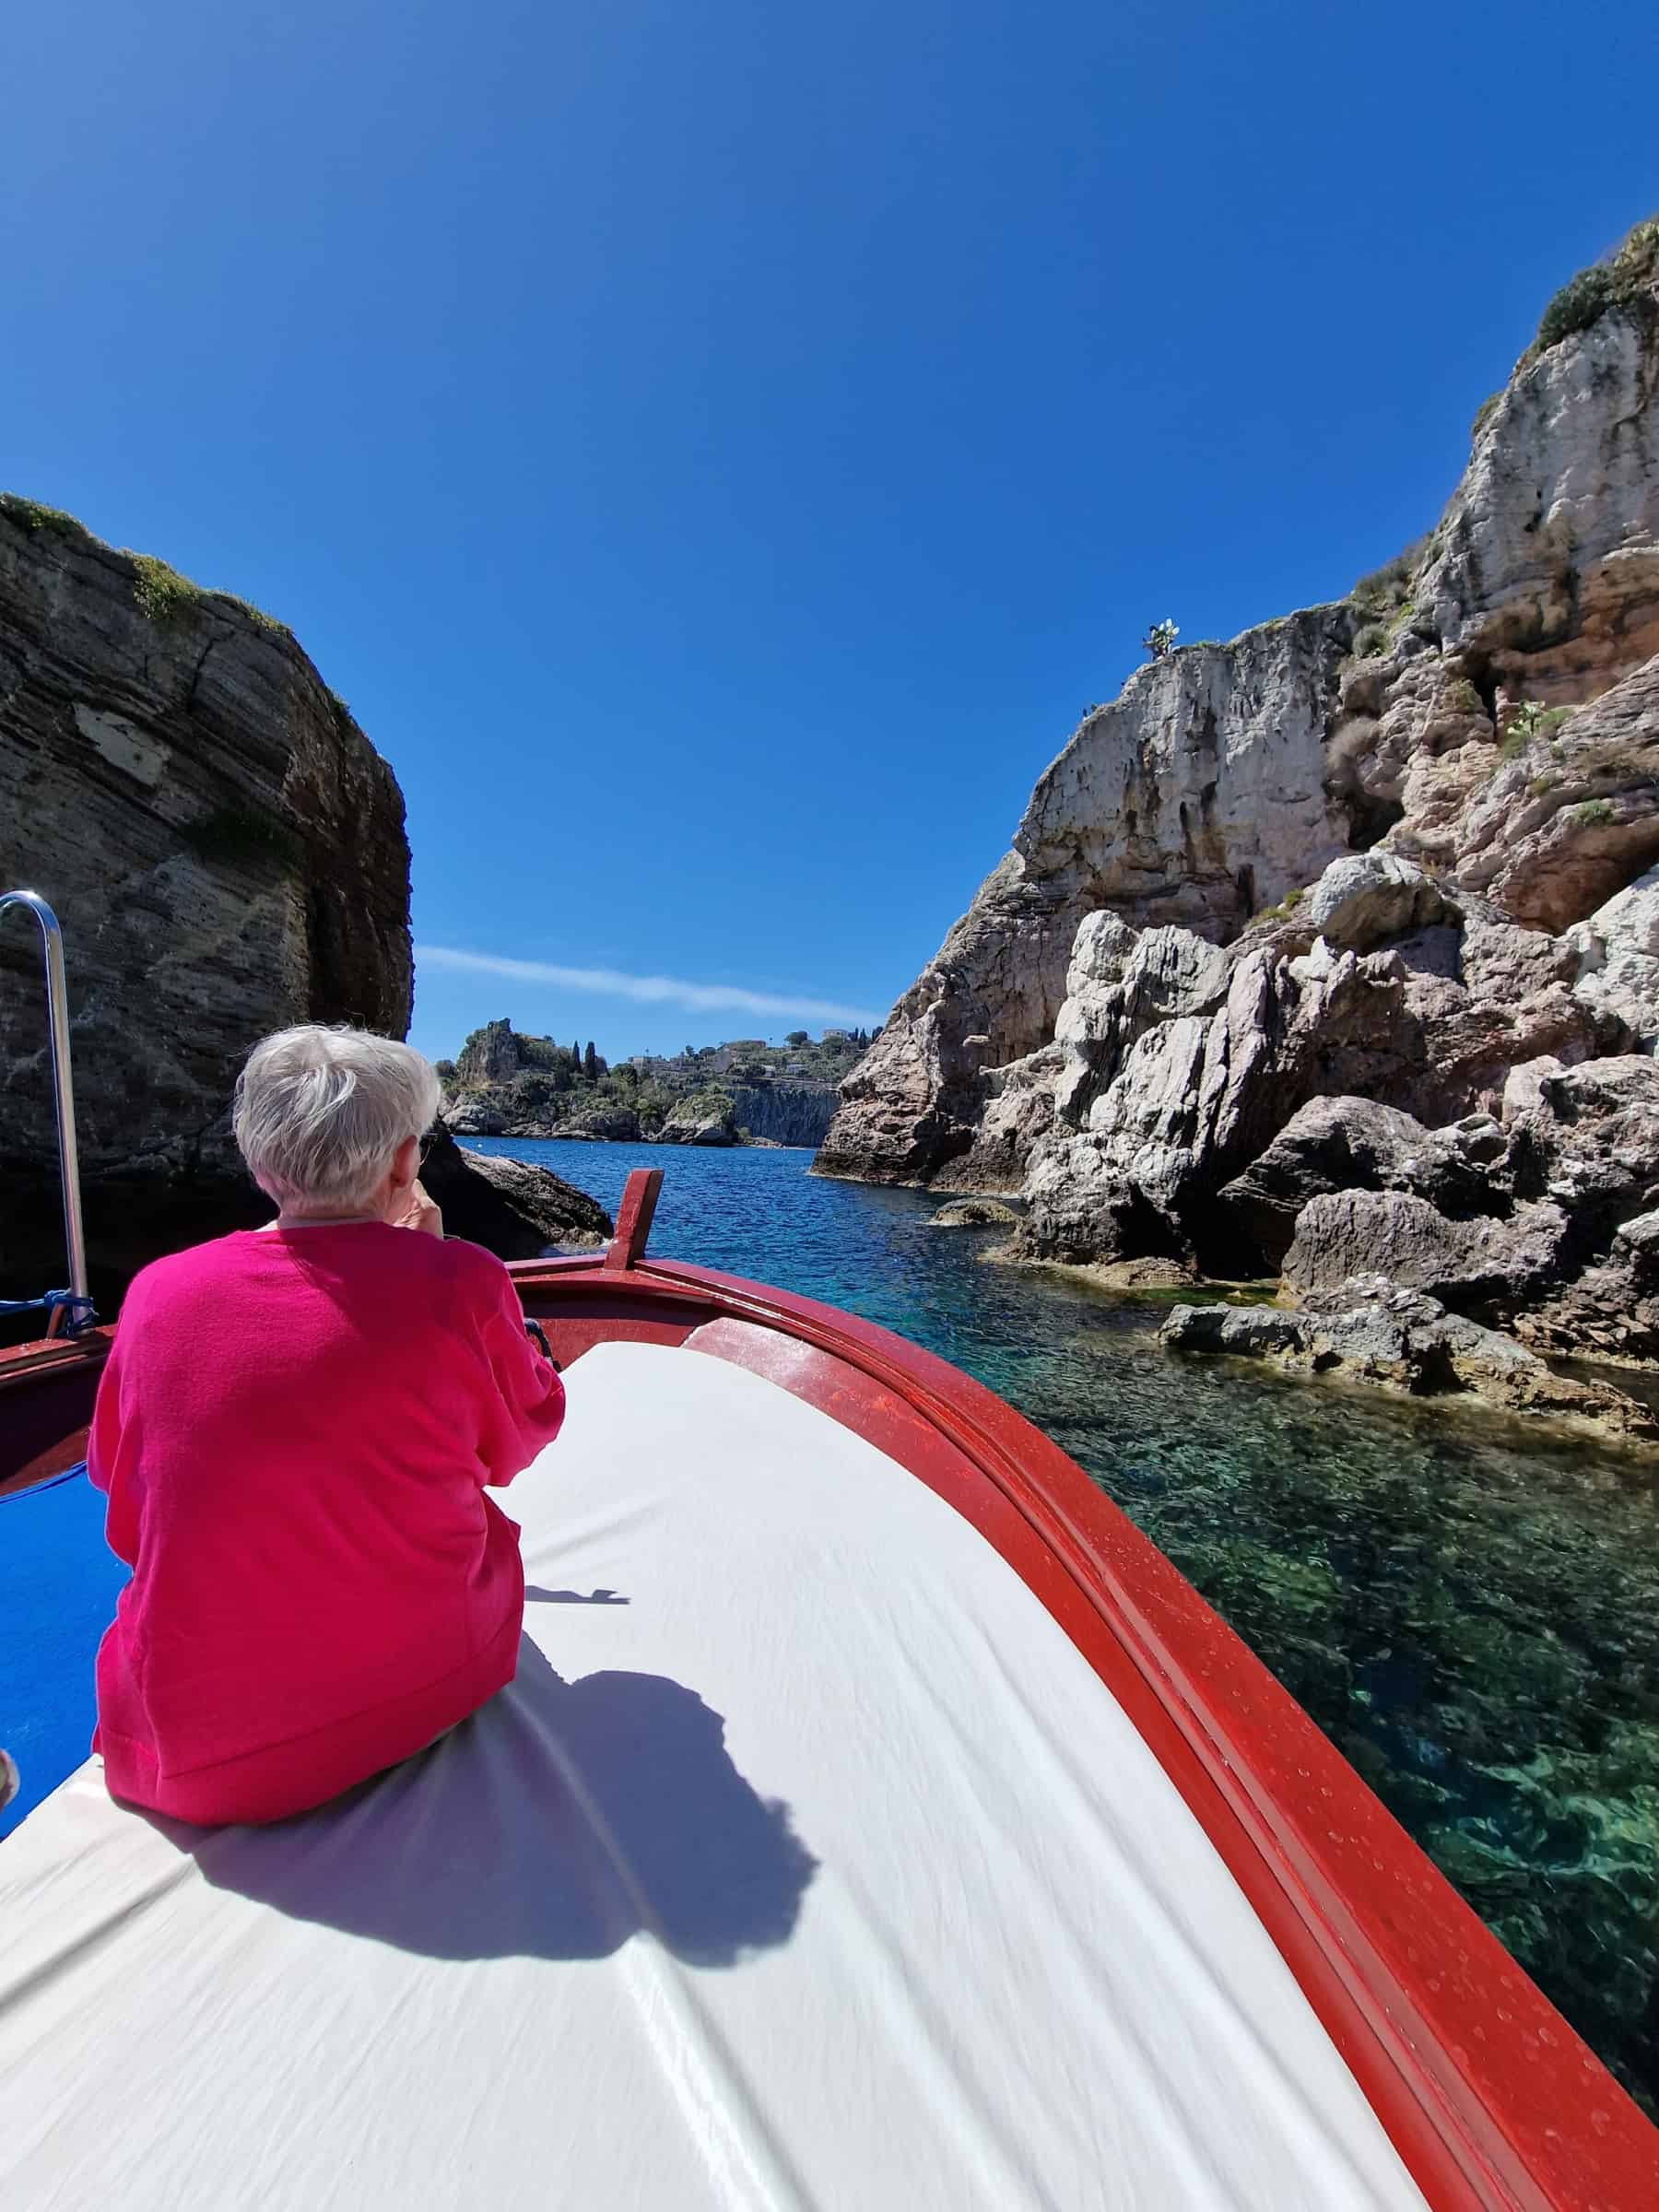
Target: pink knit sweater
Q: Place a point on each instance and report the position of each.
(295, 1429)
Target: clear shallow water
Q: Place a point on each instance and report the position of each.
(1472, 1615)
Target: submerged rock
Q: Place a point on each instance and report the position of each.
(1370, 1330)
(973, 1212)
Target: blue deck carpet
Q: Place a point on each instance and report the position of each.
(58, 1586)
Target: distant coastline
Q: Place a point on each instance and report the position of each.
(745, 1092)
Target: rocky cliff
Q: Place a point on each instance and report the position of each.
(225, 852)
(1390, 850)
(504, 1083)
(785, 1114)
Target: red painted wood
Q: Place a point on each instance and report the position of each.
(46, 1392)
(634, 1216)
(1490, 2098)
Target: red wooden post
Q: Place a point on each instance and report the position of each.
(634, 1218)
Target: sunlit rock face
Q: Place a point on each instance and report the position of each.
(1352, 861)
(1194, 799)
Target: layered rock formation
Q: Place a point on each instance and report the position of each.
(225, 852)
(785, 1114)
(1307, 942)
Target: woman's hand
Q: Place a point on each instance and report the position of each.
(419, 1212)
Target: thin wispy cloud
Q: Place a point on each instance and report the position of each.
(649, 990)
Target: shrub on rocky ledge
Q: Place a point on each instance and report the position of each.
(1531, 719)
(1387, 590)
(1625, 276)
(161, 592)
(33, 515)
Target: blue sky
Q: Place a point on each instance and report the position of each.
(720, 451)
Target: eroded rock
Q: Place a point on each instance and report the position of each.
(515, 1210)
(1371, 1330)
(973, 1212)
(225, 852)
(1615, 960)
(1491, 1267)
(1343, 1144)
(1366, 898)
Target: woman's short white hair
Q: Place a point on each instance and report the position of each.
(320, 1112)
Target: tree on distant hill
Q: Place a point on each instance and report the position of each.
(535, 1092)
(576, 1053)
(590, 1063)
(796, 1037)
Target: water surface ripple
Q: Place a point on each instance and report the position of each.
(1472, 1614)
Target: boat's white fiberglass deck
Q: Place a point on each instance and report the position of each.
(805, 1864)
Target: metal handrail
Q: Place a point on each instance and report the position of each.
(57, 1026)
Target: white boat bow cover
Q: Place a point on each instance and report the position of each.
(806, 1864)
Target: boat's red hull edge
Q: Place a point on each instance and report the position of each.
(1488, 2095)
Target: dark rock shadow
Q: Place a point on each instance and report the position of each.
(561, 1819)
(534, 1595)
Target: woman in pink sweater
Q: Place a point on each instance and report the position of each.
(295, 1430)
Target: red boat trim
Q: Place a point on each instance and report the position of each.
(634, 1216)
(1490, 2097)
(45, 1403)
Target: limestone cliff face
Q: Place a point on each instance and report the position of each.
(489, 1055)
(1544, 562)
(226, 852)
(1196, 797)
(784, 1113)
(1499, 731)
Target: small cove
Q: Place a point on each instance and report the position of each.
(1471, 1611)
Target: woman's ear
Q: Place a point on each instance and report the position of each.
(406, 1163)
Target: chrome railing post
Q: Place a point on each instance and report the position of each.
(62, 1087)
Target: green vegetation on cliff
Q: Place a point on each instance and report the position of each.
(1626, 275)
(528, 1086)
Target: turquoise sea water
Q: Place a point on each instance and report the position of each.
(1470, 1613)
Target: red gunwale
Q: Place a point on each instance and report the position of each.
(1490, 2097)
